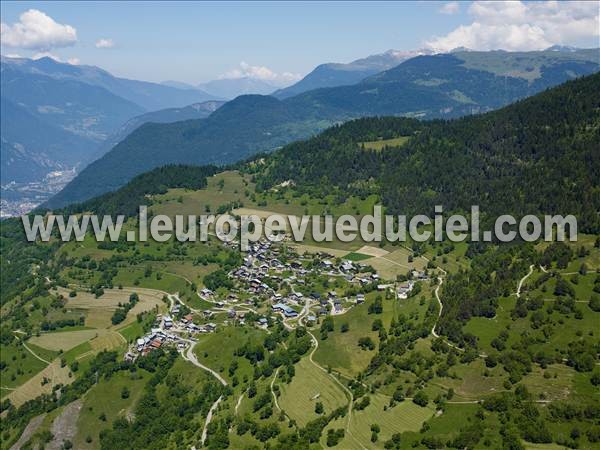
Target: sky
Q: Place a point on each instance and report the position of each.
(277, 42)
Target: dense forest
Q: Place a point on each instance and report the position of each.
(538, 156)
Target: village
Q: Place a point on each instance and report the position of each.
(274, 283)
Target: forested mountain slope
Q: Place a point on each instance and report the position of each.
(538, 156)
(168, 115)
(426, 87)
(244, 126)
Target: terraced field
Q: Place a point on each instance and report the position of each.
(148, 299)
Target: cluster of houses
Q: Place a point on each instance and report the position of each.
(153, 340)
(262, 269)
(164, 334)
(186, 324)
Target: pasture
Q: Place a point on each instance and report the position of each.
(469, 381)
(385, 143)
(556, 382)
(355, 256)
(405, 416)
(223, 188)
(562, 328)
(105, 398)
(216, 350)
(309, 386)
(20, 364)
(63, 340)
(134, 277)
(340, 350)
(450, 256)
(445, 426)
(396, 263)
(107, 340)
(41, 383)
(132, 331)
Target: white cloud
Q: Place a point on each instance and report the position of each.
(514, 25)
(261, 73)
(105, 43)
(74, 61)
(37, 31)
(449, 8)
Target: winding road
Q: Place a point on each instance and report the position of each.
(190, 356)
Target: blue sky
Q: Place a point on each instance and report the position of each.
(195, 42)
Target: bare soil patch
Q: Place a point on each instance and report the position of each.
(64, 426)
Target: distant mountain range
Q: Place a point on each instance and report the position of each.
(148, 96)
(451, 85)
(234, 87)
(90, 111)
(339, 74)
(82, 101)
(59, 117)
(324, 75)
(228, 88)
(427, 86)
